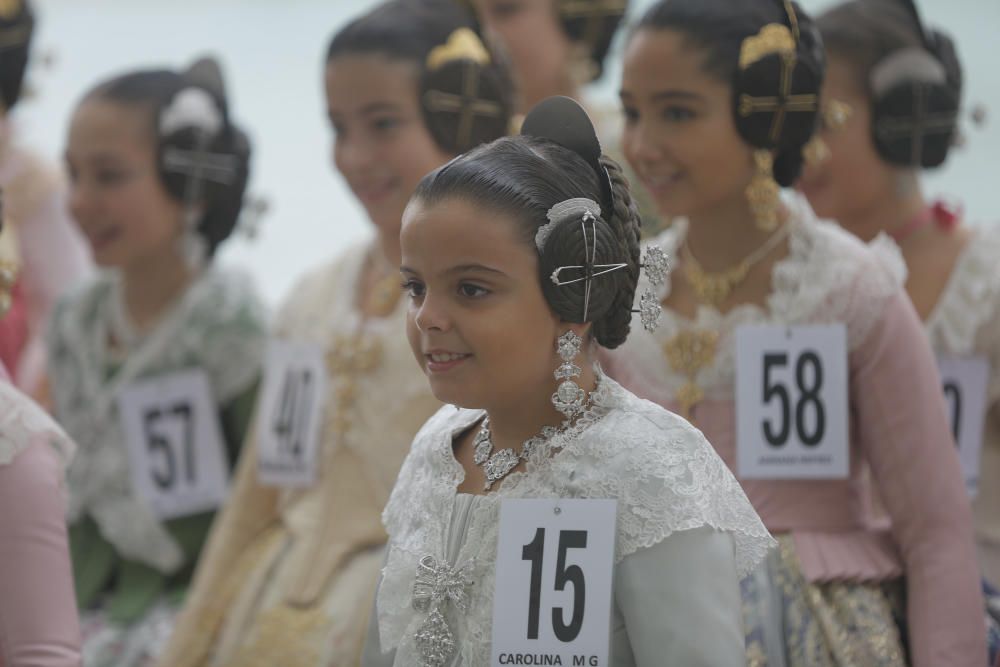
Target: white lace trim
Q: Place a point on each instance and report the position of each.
(218, 325)
(666, 477)
(22, 422)
(966, 319)
(827, 277)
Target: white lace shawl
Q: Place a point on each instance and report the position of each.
(22, 422)
(966, 319)
(827, 277)
(664, 474)
(218, 325)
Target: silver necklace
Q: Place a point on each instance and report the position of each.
(499, 464)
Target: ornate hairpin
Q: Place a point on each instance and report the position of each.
(655, 264)
(194, 108)
(587, 210)
(462, 44)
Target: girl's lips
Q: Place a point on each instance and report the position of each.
(374, 194)
(660, 185)
(444, 362)
(101, 239)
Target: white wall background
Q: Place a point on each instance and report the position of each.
(272, 51)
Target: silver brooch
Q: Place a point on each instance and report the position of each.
(436, 583)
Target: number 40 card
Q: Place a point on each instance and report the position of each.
(555, 562)
(289, 414)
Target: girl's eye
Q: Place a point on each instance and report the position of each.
(413, 288)
(677, 114)
(471, 291)
(631, 115)
(505, 10)
(385, 124)
(111, 176)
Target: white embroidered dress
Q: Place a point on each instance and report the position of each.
(218, 325)
(684, 525)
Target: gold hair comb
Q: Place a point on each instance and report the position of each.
(10, 8)
(462, 44)
(772, 38)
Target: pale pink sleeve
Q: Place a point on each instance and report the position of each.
(55, 258)
(903, 430)
(39, 625)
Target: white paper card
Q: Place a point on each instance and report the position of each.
(791, 402)
(965, 381)
(555, 567)
(175, 445)
(290, 413)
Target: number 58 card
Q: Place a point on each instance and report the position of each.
(555, 563)
(791, 402)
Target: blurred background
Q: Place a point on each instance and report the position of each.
(272, 52)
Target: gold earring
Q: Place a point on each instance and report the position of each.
(763, 192)
(816, 151)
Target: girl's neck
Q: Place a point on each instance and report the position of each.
(525, 416)
(886, 213)
(724, 235)
(564, 86)
(152, 286)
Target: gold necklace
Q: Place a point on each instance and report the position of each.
(384, 292)
(348, 358)
(714, 288)
(384, 296)
(688, 352)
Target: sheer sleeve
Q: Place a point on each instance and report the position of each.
(693, 572)
(38, 615)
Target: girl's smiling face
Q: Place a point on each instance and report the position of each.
(382, 146)
(116, 195)
(679, 134)
(478, 322)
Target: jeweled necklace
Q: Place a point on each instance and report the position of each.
(497, 465)
(715, 287)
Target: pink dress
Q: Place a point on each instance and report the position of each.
(38, 617)
(900, 445)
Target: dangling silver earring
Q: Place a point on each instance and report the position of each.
(570, 398)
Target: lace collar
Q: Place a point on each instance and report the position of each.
(664, 474)
(827, 277)
(971, 296)
(822, 258)
(22, 421)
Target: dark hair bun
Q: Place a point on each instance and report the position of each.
(943, 47)
(218, 182)
(16, 31)
(793, 79)
(465, 103)
(571, 243)
(776, 101)
(466, 98)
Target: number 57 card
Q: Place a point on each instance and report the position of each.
(555, 564)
